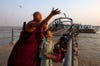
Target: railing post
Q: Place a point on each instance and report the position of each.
(12, 34)
(12, 37)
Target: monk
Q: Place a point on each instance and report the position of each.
(26, 51)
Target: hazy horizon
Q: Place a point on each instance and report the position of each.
(15, 12)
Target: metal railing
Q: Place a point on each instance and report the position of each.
(68, 57)
(71, 51)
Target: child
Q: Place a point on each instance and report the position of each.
(61, 47)
(46, 49)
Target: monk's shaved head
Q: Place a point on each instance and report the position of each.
(36, 13)
(37, 16)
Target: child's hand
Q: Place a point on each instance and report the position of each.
(54, 57)
(50, 56)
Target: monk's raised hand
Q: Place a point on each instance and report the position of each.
(55, 12)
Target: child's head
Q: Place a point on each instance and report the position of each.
(48, 33)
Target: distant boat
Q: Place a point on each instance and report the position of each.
(86, 29)
(62, 22)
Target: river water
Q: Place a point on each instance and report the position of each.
(89, 49)
(6, 34)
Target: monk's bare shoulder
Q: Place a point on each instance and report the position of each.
(33, 24)
(30, 23)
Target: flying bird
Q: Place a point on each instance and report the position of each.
(20, 6)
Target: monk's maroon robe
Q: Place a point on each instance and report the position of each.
(26, 50)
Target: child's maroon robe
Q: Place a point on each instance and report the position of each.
(26, 50)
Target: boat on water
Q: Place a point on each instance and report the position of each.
(63, 22)
(86, 29)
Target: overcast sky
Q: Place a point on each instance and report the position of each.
(15, 12)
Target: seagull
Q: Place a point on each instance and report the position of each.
(20, 6)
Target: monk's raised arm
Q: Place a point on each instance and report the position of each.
(37, 21)
(53, 13)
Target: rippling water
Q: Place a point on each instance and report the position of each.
(6, 34)
(89, 49)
